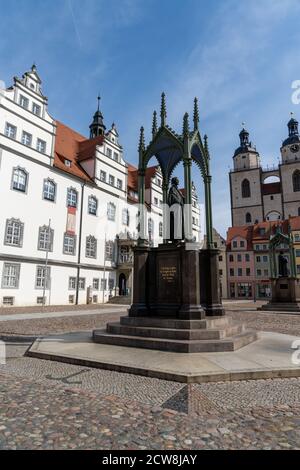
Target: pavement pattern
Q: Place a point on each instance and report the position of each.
(51, 405)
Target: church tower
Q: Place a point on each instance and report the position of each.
(290, 170)
(97, 127)
(245, 187)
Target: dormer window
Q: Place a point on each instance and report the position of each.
(68, 162)
(32, 86)
(24, 102)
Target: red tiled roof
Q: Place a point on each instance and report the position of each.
(244, 231)
(271, 188)
(133, 176)
(67, 144)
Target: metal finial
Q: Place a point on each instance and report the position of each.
(243, 124)
(154, 124)
(98, 98)
(142, 140)
(163, 109)
(186, 129)
(196, 114)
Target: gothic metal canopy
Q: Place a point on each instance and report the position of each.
(170, 149)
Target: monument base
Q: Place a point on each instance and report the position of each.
(176, 335)
(285, 295)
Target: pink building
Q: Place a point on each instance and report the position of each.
(240, 263)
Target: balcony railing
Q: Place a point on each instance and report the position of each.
(126, 258)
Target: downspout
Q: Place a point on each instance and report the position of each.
(79, 243)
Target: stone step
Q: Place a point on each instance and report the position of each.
(160, 322)
(182, 346)
(173, 333)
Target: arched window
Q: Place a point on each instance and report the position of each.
(296, 180)
(45, 241)
(246, 188)
(92, 205)
(49, 190)
(111, 211)
(19, 179)
(248, 218)
(160, 229)
(91, 247)
(72, 197)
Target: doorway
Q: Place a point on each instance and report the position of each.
(122, 284)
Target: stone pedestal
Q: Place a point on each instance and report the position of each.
(176, 304)
(210, 283)
(167, 282)
(285, 295)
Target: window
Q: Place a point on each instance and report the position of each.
(108, 152)
(96, 284)
(103, 176)
(258, 272)
(296, 180)
(71, 299)
(240, 272)
(156, 201)
(111, 211)
(242, 244)
(111, 284)
(247, 271)
(297, 237)
(95, 299)
(103, 284)
(8, 301)
(231, 272)
(42, 277)
(231, 259)
(239, 258)
(109, 249)
(119, 184)
(41, 300)
(265, 259)
(10, 276)
(258, 259)
(248, 218)
(262, 231)
(26, 138)
(246, 188)
(91, 247)
(14, 232)
(297, 253)
(234, 244)
(67, 162)
(36, 109)
(92, 205)
(160, 229)
(266, 272)
(72, 197)
(19, 179)
(24, 102)
(72, 283)
(257, 247)
(298, 268)
(220, 272)
(150, 228)
(45, 242)
(41, 146)
(81, 283)
(111, 180)
(116, 156)
(265, 247)
(10, 131)
(49, 190)
(125, 217)
(247, 257)
(69, 244)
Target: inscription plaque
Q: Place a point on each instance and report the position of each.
(168, 284)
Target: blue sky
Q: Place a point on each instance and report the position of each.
(239, 57)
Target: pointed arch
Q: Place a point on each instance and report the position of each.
(248, 218)
(246, 192)
(296, 180)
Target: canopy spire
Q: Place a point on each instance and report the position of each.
(196, 114)
(186, 129)
(154, 124)
(163, 109)
(142, 140)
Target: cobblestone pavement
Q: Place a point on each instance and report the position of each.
(50, 405)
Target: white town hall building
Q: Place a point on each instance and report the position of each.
(68, 205)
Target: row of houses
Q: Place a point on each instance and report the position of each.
(248, 258)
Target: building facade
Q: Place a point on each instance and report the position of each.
(220, 244)
(270, 194)
(69, 212)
